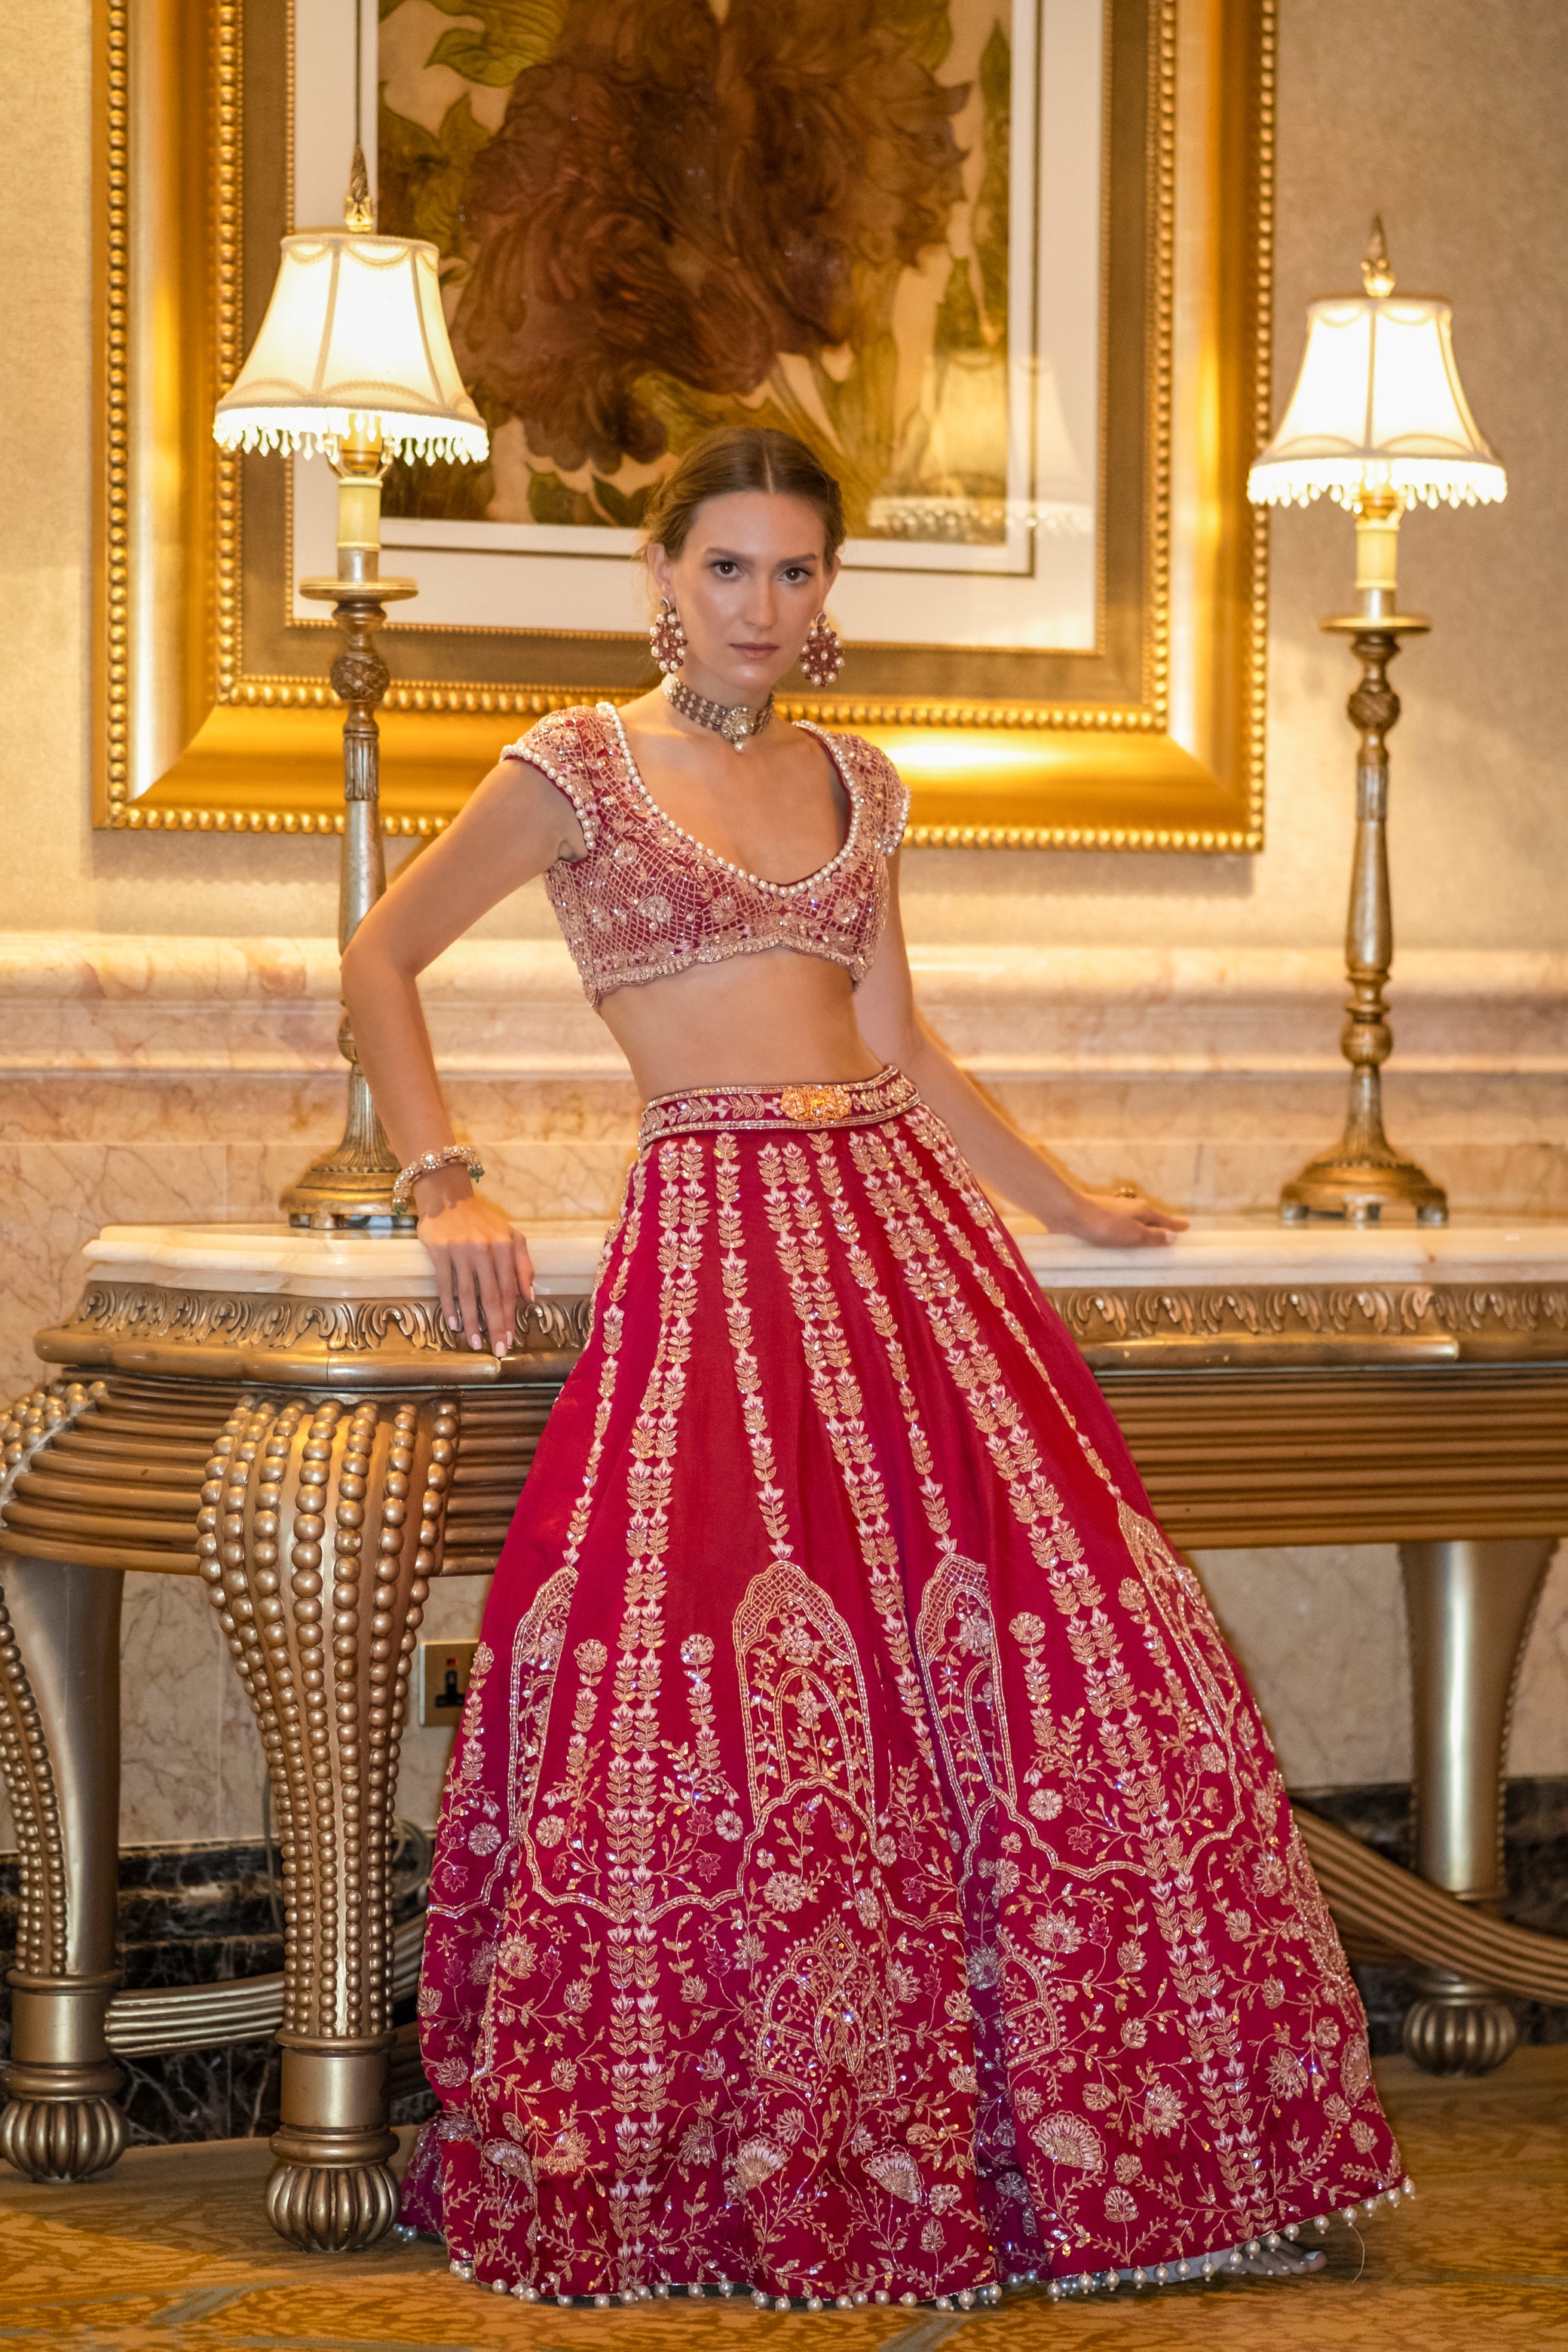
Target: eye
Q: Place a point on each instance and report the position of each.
(725, 567)
(795, 572)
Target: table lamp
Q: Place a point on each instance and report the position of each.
(353, 360)
(1378, 420)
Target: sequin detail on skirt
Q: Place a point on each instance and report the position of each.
(863, 1869)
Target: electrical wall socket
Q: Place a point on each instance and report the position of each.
(444, 1671)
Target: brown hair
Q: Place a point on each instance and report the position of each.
(742, 457)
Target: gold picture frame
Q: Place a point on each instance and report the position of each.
(195, 734)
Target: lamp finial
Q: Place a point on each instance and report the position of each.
(358, 211)
(1376, 274)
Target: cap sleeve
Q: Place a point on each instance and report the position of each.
(558, 749)
(890, 797)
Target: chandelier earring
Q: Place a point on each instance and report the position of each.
(822, 655)
(668, 638)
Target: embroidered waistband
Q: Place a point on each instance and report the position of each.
(857, 1102)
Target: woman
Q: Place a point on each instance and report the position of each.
(863, 1874)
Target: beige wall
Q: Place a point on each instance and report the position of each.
(1459, 151)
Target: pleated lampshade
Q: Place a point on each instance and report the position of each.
(1378, 406)
(354, 338)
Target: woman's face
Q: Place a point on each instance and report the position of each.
(748, 584)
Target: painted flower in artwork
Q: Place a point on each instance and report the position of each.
(679, 194)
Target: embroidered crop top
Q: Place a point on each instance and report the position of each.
(648, 898)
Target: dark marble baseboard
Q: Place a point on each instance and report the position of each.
(198, 1913)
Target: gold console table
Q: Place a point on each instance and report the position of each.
(283, 1414)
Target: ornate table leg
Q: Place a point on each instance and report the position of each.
(1469, 1605)
(321, 1524)
(59, 1744)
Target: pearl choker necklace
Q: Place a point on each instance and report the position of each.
(732, 720)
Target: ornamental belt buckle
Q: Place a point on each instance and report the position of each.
(814, 1106)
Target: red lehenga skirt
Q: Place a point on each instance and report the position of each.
(863, 1874)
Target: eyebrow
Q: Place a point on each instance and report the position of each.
(730, 555)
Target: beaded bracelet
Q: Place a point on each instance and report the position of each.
(427, 1164)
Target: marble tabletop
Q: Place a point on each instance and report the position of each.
(1213, 1252)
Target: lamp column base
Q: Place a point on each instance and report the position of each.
(352, 1184)
(1362, 1174)
(1357, 1190)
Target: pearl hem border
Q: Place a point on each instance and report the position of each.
(1203, 2269)
(1193, 2270)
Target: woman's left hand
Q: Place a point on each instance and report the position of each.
(1124, 1218)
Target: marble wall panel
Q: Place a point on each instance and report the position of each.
(88, 1002)
(191, 1762)
(55, 1196)
(191, 1766)
(1538, 1740)
(161, 1108)
(1320, 1633)
(1320, 1630)
(1224, 1141)
(175, 1673)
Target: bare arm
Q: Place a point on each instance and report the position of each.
(515, 825)
(892, 1025)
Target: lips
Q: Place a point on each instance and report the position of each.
(754, 649)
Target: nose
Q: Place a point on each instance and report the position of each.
(764, 602)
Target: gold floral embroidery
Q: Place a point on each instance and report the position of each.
(1149, 1842)
(625, 1843)
(806, 1715)
(1003, 1914)
(957, 1645)
(815, 1798)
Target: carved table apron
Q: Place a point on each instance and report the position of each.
(283, 1414)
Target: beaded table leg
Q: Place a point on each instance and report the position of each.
(1469, 1606)
(59, 1744)
(320, 1526)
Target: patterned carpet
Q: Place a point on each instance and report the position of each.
(171, 2254)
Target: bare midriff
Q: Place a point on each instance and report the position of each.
(778, 1018)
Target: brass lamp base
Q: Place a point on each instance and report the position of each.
(1356, 1188)
(1362, 1174)
(352, 1184)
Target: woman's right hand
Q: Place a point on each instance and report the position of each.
(481, 1261)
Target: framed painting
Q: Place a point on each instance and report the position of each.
(1004, 263)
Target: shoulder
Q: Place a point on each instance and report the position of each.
(573, 749)
(576, 737)
(878, 784)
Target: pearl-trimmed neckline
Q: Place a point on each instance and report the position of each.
(743, 873)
